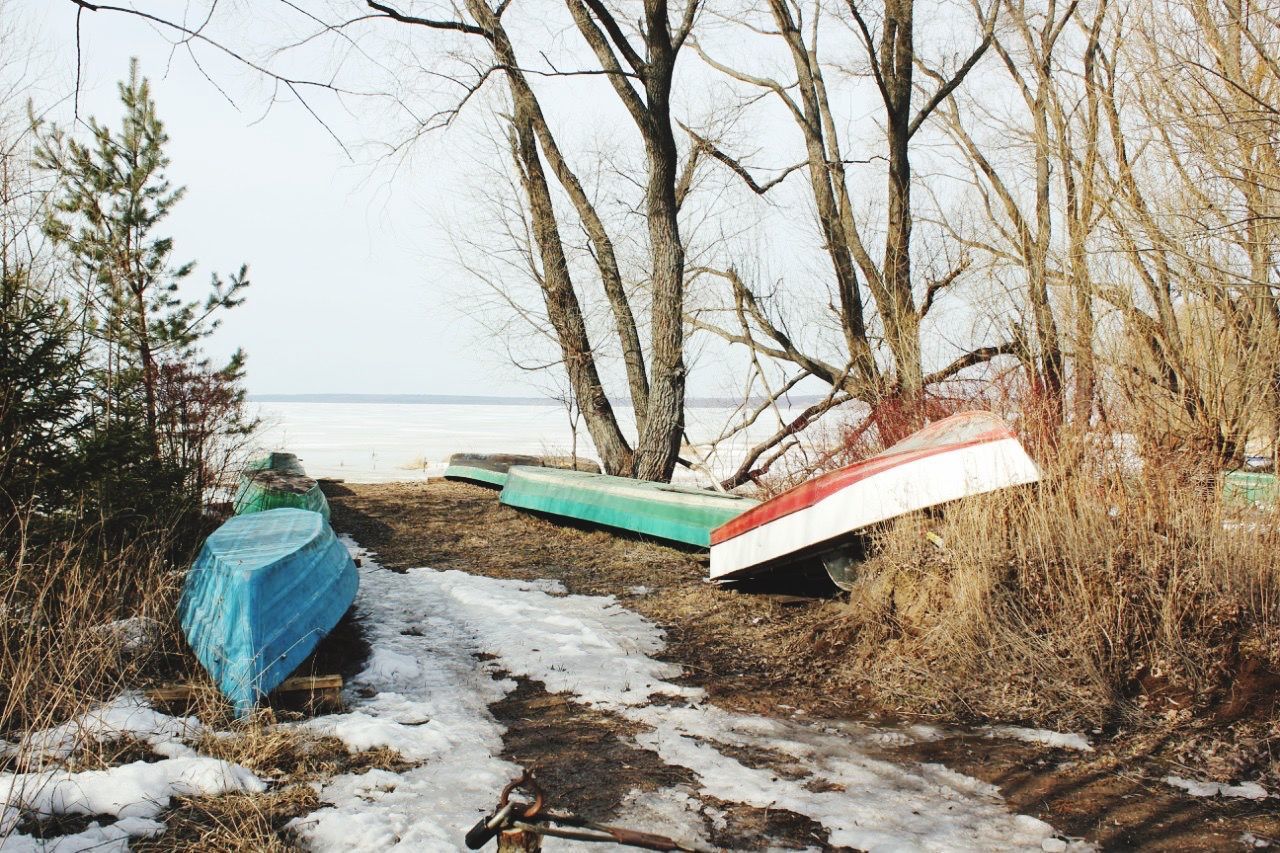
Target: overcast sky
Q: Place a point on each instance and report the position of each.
(356, 283)
(353, 288)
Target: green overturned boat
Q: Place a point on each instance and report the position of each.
(275, 481)
(278, 461)
(1249, 487)
(490, 469)
(661, 510)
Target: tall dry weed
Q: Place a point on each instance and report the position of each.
(80, 623)
(1101, 596)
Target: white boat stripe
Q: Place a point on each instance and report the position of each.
(907, 487)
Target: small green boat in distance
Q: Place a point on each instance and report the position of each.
(661, 510)
(268, 488)
(278, 461)
(490, 469)
(1249, 487)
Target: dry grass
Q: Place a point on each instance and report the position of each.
(63, 647)
(291, 759)
(1093, 599)
(233, 822)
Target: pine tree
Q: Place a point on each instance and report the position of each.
(42, 380)
(113, 197)
(162, 422)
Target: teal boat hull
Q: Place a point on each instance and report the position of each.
(472, 474)
(266, 489)
(1249, 487)
(277, 461)
(488, 469)
(661, 510)
(264, 591)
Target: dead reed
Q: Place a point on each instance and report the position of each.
(80, 623)
(1102, 597)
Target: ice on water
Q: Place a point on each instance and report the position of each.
(386, 442)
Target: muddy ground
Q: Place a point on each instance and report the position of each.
(748, 649)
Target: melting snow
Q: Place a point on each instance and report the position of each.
(1057, 740)
(136, 793)
(140, 789)
(426, 694)
(430, 700)
(127, 716)
(1247, 790)
(100, 839)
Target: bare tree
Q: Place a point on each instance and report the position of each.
(1025, 230)
(1188, 92)
(1133, 220)
(897, 300)
(657, 394)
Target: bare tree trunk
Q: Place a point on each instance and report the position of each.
(902, 323)
(602, 244)
(659, 443)
(563, 309)
(1081, 196)
(658, 446)
(827, 179)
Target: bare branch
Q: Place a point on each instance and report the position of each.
(936, 287)
(969, 359)
(950, 85)
(395, 15)
(701, 143)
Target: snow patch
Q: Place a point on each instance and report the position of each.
(113, 838)
(1247, 790)
(602, 655)
(435, 712)
(586, 646)
(1057, 740)
(128, 715)
(135, 793)
(680, 814)
(137, 790)
(862, 802)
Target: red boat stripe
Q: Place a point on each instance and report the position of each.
(811, 492)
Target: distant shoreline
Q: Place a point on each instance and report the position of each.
(480, 400)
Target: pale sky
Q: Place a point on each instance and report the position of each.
(356, 286)
(351, 280)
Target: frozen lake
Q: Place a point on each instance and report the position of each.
(383, 442)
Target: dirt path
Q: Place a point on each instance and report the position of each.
(750, 653)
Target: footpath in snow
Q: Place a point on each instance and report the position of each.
(429, 695)
(426, 692)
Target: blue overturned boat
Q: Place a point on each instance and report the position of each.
(265, 589)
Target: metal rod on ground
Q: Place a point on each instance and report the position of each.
(519, 827)
(612, 835)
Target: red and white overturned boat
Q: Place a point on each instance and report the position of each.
(965, 454)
